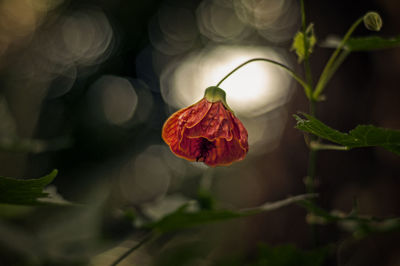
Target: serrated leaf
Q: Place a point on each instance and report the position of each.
(361, 136)
(182, 218)
(298, 42)
(372, 43)
(24, 191)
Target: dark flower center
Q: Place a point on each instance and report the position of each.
(204, 146)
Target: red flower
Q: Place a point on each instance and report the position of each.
(207, 131)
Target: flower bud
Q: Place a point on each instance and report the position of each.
(373, 21)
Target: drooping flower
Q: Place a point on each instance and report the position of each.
(207, 131)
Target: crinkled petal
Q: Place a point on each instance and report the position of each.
(216, 123)
(172, 130)
(206, 132)
(240, 133)
(212, 153)
(224, 153)
(190, 148)
(196, 113)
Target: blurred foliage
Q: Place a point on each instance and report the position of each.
(371, 43)
(24, 191)
(185, 216)
(359, 225)
(185, 253)
(282, 255)
(299, 42)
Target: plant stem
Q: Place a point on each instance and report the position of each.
(312, 157)
(329, 70)
(307, 66)
(290, 71)
(315, 145)
(312, 103)
(147, 238)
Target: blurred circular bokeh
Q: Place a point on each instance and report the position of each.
(113, 98)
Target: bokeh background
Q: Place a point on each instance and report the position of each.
(85, 87)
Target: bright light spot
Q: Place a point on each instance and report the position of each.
(173, 30)
(261, 13)
(114, 98)
(255, 89)
(218, 21)
(86, 36)
(275, 20)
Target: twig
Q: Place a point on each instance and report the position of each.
(146, 239)
(281, 203)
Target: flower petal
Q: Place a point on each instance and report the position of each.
(172, 130)
(225, 152)
(196, 113)
(215, 153)
(240, 133)
(190, 148)
(216, 123)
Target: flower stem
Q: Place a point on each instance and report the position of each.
(332, 65)
(290, 71)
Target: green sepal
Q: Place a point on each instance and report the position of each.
(373, 21)
(215, 94)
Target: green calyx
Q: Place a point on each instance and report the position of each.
(373, 21)
(214, 94)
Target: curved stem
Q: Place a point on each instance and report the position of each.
(291, 73)
(132, 249)
(329, 70)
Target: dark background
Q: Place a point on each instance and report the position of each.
(90, 153)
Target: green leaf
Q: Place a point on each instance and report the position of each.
(24, 191)
(186, 252)
(205, 200)
(361, 136)
(183, 218)
(372, 43)
(288, 255)
(298, 42)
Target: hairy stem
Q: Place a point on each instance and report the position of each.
(290, 71)
(312, 156)
(331, 66)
